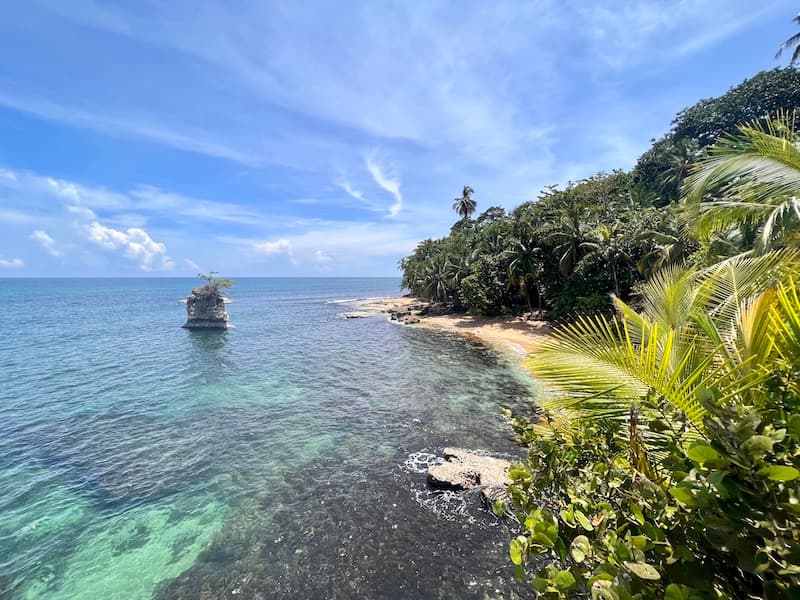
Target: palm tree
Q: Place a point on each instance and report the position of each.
(699, 333)
(465, 205)
(525, 266)
(792, 41)
(608, 244)
(681, 156)
(436, 279)
(570, 239)
(752, 178)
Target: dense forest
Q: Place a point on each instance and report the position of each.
(569, 250)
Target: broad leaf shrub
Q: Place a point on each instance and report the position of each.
(651, 506)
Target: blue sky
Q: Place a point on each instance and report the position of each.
(326, 138)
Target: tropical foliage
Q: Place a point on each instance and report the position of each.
(667, 462)
(753, 181)
(214, 283)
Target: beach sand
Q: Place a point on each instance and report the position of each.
(515, 334)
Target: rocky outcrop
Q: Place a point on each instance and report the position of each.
(205, 309)
(464, 470)
(410, 314)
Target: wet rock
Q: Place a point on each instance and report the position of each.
(205, 309)
(406, 317)
(464, 470)
(359, 314)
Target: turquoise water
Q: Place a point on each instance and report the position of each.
(281, 459)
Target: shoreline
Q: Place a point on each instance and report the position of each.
(514, 335)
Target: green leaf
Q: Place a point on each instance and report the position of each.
(583, 520)
(683, 496)
(516, 549)
(637, 513)
(579, 548)
(676, 591)
(639, 542)
(779, 473)
(542, 539)
(519, 574)
(643, 571)
(701, 452)
(794, 426)
(564, 581)
(604, 590)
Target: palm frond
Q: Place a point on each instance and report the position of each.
(762, 160)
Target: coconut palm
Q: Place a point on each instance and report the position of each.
(751, 177)
(700, 334)
(608, 244)
(681, 156)
(793, 41)
(570, 238)
(525, 267)
(465, 205)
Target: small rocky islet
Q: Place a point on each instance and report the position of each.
(205, 305)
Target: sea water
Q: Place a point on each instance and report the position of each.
(284, 458)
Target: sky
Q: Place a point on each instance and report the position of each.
(284, 138)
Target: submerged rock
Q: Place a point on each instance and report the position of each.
(205, 309)
(464, 470)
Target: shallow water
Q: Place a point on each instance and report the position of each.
(283, 458)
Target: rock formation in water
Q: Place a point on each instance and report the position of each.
(464, 470)
(205, 306)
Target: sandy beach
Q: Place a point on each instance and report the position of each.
(515, 334)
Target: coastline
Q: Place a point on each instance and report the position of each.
(509, 334)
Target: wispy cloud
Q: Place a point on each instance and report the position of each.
(389, 184)
(633, 32)
(192, 265)
(14, 263)
(351, 191)
(42, 238)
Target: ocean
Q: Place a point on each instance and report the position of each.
(284, 458)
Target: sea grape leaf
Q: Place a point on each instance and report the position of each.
(779, 473)
(516, 549)
(701, 452)
(583, 520)
(579, 548)
(643, 571)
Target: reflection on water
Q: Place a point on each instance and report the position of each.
(266, 461)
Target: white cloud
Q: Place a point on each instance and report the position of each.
(136, 244)
(390, 184)
(45, 241)
(14, 263)
(281, 246)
